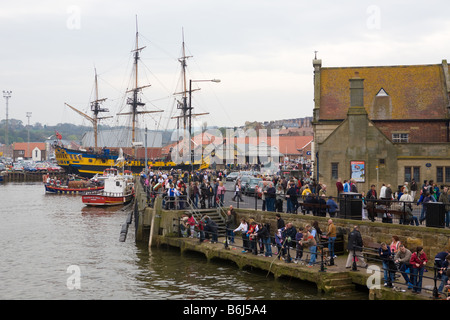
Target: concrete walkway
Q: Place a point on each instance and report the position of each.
(303, 272)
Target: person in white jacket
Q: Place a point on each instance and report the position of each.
(243, 228)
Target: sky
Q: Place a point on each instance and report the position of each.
(261, 50)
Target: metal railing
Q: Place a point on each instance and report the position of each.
(393, 271)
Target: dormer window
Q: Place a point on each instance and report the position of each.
(400, 137)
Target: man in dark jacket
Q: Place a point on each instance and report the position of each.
(210, 229)
(292, 202)
(354, 247)
(264, 235)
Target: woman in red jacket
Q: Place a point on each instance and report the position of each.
(418, 261)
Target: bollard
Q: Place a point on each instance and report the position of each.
(322, 267)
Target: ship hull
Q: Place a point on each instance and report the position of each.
(103, 200)
(88, 164)
(65, 190)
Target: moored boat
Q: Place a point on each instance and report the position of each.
(118, 189)
(73, 186)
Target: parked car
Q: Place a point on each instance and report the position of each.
(55, 168)
(251, 186)
(30, 167)
(17, 167)
(232, 176)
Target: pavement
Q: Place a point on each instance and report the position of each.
(339, 266)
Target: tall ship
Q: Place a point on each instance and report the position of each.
(89, 161)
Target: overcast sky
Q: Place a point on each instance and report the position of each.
(261, 50)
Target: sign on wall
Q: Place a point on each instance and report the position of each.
(358, 172)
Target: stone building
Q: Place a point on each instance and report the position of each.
(386, 124)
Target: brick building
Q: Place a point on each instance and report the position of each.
(384, 124)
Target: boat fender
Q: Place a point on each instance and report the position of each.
(123, 232)
(130, 217)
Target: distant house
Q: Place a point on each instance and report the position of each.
(296, 147)
(35, 151)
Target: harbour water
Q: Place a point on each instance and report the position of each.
(54, 247)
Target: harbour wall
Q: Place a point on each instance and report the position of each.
(18, 176)
(157, 227)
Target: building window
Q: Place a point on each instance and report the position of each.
(442, 174)
(334, 170)
(400, 137)
(416, 174)
(439, 174)
(412, 173)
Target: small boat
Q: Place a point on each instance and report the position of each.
(74, 185)
(119, 189)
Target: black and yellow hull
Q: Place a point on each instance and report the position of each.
(88, 164)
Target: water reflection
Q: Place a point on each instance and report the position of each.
(43, 235)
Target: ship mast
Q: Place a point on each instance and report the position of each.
(185, 104)
(96, 108)
(134, 101)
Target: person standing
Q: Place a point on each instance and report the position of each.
(270, 197)
(331, 234)
(299, 247)
(191, 222)
(418, 261)
(402, 259)
(243, 228)
(383, 191)
(413, 189)
(331, 207)
(339, 187)
(354, 247)
(444, 197)
(292, 202)
(308, 240)
(346, 186)
(264, 235)
(230, 223)
(221, 193)
(237, 191)
(386, 256)
(443, 273)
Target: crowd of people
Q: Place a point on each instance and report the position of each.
(404, 197)
(302, 244)
(411, 264)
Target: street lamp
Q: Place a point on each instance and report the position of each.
(190, 117)
(29, 116)
(6, 95)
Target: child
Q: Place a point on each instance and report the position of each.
(298, 239)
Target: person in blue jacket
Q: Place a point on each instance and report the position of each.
(388, 265)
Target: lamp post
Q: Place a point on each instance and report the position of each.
(190, 117)
(29, 116)
(6, 95)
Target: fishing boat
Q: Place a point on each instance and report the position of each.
(87, 162)
(74, 185)
(119, 189)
